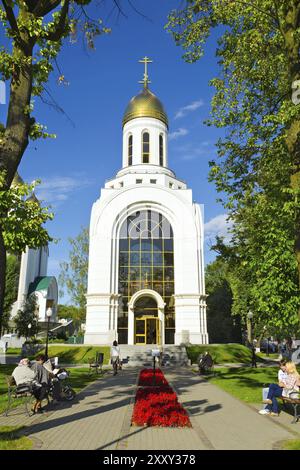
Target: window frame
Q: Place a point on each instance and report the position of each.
(145, 155)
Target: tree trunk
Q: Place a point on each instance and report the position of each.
(16, 135)
(2, 275)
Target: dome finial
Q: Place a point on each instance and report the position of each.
(145, 80)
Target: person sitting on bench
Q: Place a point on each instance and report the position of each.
(286, 388)
(25, 376)
(205, 362)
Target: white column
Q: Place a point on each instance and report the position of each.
(130, 325)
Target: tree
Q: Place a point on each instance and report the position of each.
(34, 30)
(257, 101)
(77, 314)
(74, 273)
(11, 289)
(27, 316)
(222, 326)
(21, 220)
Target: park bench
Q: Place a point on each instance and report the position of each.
(295, 402)
(15, 392)
(96, 363)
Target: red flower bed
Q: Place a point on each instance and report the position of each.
(158, 405)
(147, 378)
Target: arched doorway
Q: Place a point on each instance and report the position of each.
(146, 318)
(147, 327)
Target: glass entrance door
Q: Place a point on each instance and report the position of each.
(140, 331)
(147, 330)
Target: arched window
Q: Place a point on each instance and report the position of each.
(146, 261)
(146, 147)
(130, 150)
(161, 150)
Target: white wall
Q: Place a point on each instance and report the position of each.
(108, 214)
(136, 127)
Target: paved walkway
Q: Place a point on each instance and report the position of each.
(100, 419)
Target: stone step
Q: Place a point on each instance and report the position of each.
(137, 356)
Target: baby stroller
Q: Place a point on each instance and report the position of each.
(58, 386)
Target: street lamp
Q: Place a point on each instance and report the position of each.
(29, 330)
(49, 314)
(249, 326)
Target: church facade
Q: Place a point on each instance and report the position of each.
(146, 263)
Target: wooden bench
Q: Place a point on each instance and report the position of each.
(295, 402)
(14, 392)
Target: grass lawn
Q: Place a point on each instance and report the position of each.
(80, 378)
(221, 353)
(292, 445)
(14, 351)
(5, 370)
(245, 383)
(77, 354)
(270, 356)
(10, 439)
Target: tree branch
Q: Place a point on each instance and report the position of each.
(57, 34)
(249, 4)
(11, 17)
(44, 7)
(14, 25)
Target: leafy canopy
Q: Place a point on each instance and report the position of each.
(258, 168)
(22, 218)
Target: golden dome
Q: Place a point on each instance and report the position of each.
(145, 104)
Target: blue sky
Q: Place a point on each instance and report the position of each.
(87, 151)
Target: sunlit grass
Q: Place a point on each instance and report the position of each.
(245, 383)
(292, 445)
(11, 440)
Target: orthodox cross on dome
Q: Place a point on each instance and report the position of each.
(145, 80)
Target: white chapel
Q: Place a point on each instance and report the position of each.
(146, 263)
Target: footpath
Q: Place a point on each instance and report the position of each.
(100, 417)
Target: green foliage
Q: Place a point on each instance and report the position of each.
(28, 315)
(70, 312)
(11, 287)
(22, 218)
(73, 275)
(257, 170)
(222, 327)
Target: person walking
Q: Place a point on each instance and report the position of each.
(253, 355)
(115, 356)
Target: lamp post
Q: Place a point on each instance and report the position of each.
(49, 314)
(249, 326)
(29, 330)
